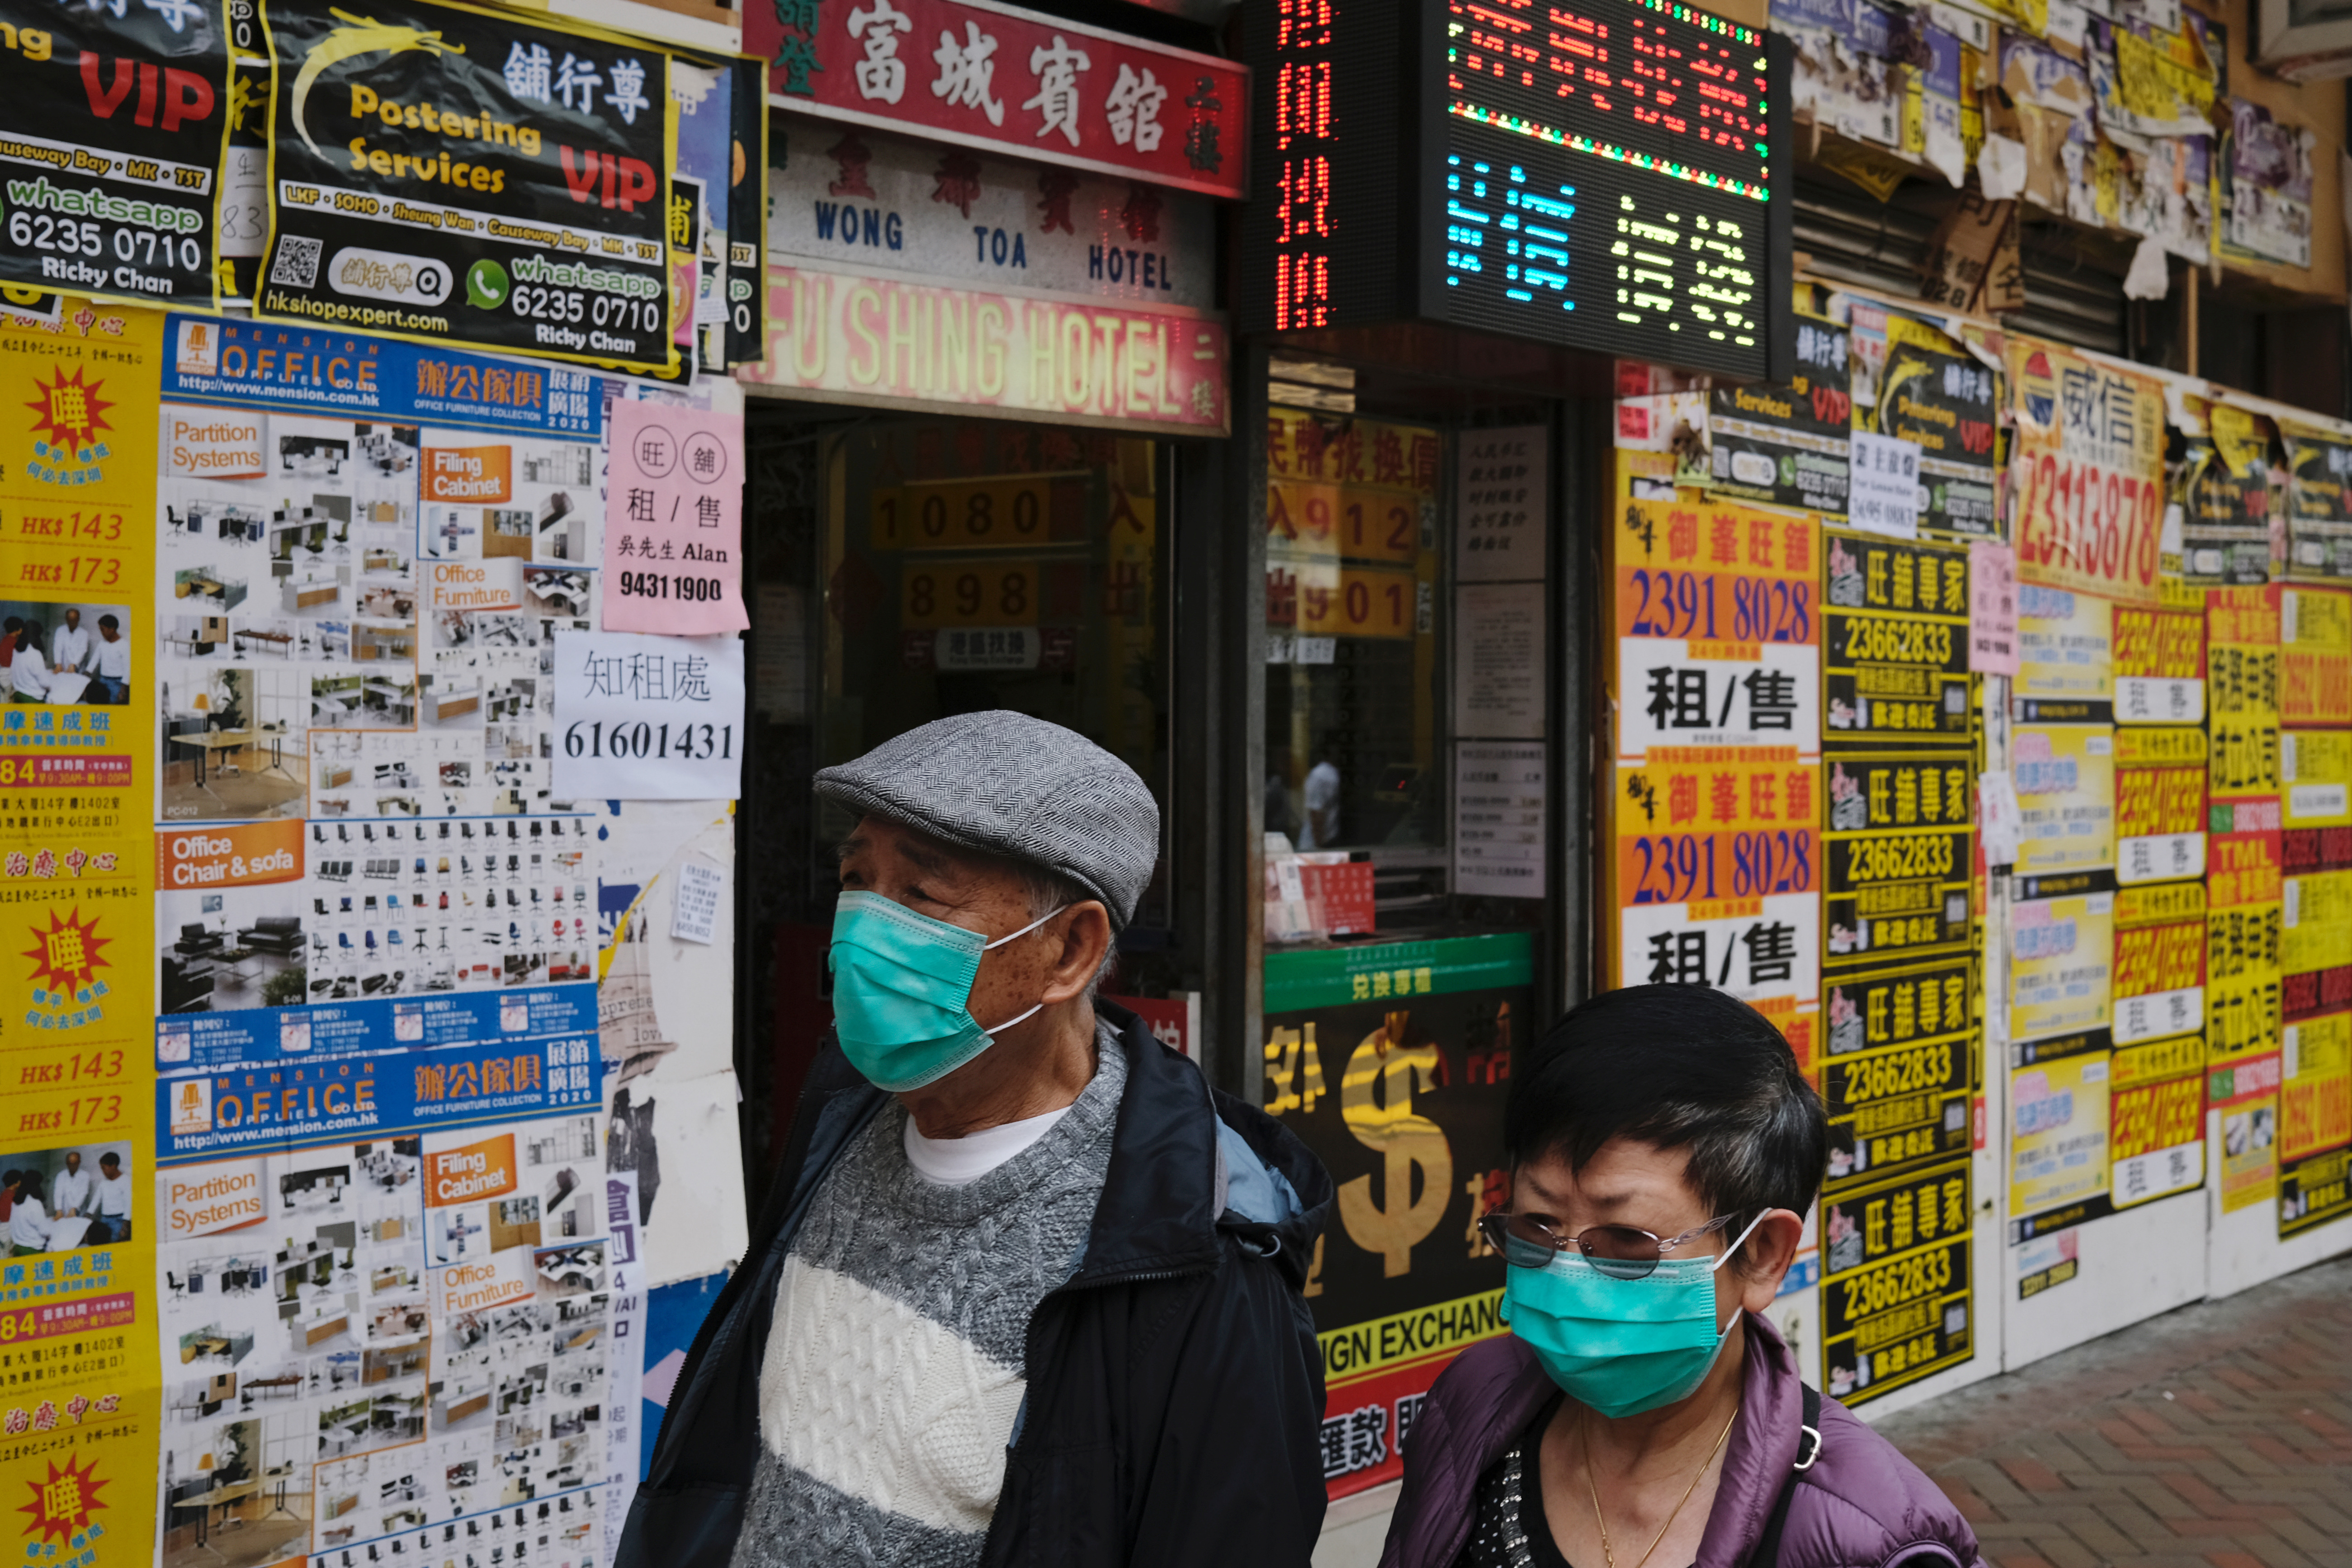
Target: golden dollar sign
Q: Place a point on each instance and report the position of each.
(1389, 1127)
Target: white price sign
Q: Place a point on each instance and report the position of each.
(1884, 496)
(639, 717)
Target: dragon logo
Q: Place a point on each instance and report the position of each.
(358, 36)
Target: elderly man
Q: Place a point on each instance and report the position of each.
(1026, 1289)
(69, 645)
(70, 1194)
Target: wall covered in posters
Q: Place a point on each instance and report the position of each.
(385, 1299)
(81, 1409)
(312, 1244)
(2153, 915)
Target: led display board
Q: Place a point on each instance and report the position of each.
(1599, 174)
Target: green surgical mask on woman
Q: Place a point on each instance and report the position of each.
(902, 991)
(1619, 1347)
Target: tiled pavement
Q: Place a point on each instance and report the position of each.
(2216, 1436)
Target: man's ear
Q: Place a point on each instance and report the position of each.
(1085, 942)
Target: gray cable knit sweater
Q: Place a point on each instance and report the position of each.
(895, 1363)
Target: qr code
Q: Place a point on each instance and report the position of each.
(297, 262)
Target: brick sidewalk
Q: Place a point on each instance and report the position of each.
(2216, 1436)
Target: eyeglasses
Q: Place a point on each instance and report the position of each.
(1619, 1251)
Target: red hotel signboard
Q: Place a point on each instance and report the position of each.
(989, 76)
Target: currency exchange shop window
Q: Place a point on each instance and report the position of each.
(1360, 804)
(1404, 959)
(972, 565)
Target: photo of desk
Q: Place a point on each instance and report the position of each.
(282, 642)
(303, 596)
(392, 699)
(204, 742)
(216, 1496)
(444, 702)
(324, 1329)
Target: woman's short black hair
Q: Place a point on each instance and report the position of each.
(1677, 1066)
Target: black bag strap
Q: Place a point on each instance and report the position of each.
(1809, 1448)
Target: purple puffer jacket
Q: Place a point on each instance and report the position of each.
(1861, 1505)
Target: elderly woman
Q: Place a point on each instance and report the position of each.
(1665, 1147)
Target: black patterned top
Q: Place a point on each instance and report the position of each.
(1510, 1529)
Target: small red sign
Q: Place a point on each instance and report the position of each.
(1012, 82)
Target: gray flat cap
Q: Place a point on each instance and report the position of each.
(1005, 784)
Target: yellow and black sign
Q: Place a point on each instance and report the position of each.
(1895, 650)
(1896, 894)
(1900, 1006)
(2313, 1192)
(1899, 1108)
(1892, 1324)
(1883, 1219)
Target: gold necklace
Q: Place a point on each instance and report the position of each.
(1584, 1437)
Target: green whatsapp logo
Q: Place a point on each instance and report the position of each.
(486, 285)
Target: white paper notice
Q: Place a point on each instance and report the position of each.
(1499, 808)
(699, 888)
(1499, 664)
(1505, 509)
(625, 1359)
(2000, 818)
(1885, 497)
(2001, 164)
(639, 717)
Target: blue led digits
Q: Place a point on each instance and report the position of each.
(1608, 179)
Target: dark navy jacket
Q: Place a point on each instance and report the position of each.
(1175, 1391)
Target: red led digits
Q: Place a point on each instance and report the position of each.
(1306, 136)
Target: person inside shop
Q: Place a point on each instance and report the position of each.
(70, 1194)
(1025, 1287)
(29, 1218)
(7, 1193)
(111, 1207)
(1665, 1147)
(28, 671)
(8, 630)
(69, 648)
(110, 665)
(1322, 801)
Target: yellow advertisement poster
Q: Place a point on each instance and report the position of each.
(2315, 1086)
(2246, 1095)
(2316, 769)
(2065, 776)
(2159, 663)
(2241, 628)
(2242, 948)
(2058, 1142)
(2159, 805)
(2157, 1131)
(2088, 473)
(2316, 656)
(2064, 650)
(80, 1388)
(2062, 957)
(2315, 922)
